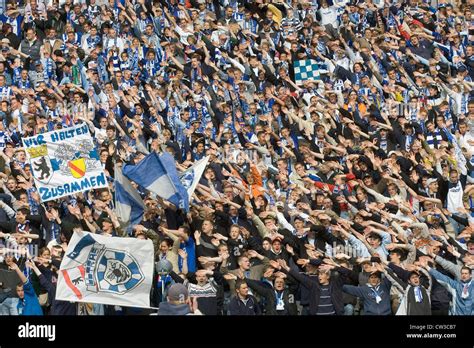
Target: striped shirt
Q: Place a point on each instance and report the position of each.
(325, 306)
(207, 290)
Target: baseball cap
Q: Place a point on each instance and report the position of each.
(431, 181)
(6, 41)
(178, 292)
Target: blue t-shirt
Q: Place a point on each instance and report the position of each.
(30, 304)
(190, 250)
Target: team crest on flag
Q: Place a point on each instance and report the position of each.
(191, 176)
(98, 269)
(77, 167)
(118, 272)
(187, 179)
(106, 269)
(41, 165)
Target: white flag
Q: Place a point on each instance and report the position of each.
(64, 162)
(106, 270)
(191, 176)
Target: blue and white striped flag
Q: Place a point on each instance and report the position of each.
(158, 174)
(129, 205)
(307, 69)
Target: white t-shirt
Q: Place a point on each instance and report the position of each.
(329, 16)
(455, 198)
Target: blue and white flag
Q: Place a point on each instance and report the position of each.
(106, 270)
(158, 174)
(191, 176)
(129, 205)
(307, 69)
(64, 162)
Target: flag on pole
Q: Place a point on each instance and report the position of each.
(307, 69)
(158, 174)
(106, 270)
(191, 176)
(129, 205)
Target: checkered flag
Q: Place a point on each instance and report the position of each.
(307, 69)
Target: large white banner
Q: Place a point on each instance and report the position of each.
(106, 270)
(64, 162)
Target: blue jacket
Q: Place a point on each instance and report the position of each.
(368, 294)
(30, 304)
(461, 306)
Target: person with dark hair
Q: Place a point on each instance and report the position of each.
(243, 303)
(279, 299)
(58, 307)
(462, 288)
(28, 303)
(416, 299)
(375, 294)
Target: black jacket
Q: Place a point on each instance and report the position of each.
(270, 299)
(238, 307)
(312, 283)
(57, 307)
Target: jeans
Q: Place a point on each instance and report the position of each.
(9, 306)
